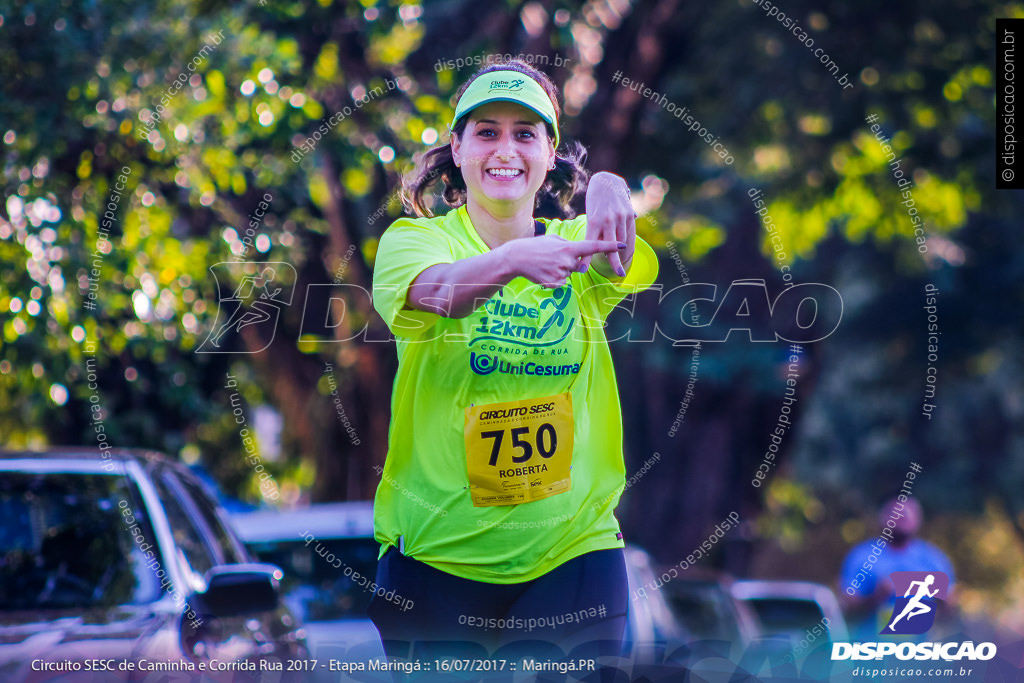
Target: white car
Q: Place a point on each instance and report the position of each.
(802, 614)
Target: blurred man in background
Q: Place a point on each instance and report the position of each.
(865, 589)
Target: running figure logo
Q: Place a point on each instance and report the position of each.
(914, 613)
(257, 299)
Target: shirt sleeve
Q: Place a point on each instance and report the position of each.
(934, 557)
(406, 249)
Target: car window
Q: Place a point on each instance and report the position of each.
(786, 615)
(225, 543)
(74, 540)
(187, 535)
(318, 589)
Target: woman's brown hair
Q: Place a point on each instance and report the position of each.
(554, 197)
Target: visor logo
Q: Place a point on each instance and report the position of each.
(514, 85)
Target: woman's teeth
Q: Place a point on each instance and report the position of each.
(504, 172)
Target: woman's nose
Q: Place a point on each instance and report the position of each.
(505, 147)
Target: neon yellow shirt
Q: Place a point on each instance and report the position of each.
(525, 342)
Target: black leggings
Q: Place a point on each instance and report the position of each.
(580, 605)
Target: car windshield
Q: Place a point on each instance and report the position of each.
(64, 542)
(318, 589)
(704, 609)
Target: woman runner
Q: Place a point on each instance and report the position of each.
(505, 461)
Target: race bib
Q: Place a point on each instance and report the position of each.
(519, 451)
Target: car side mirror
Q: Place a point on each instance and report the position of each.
(237, 589)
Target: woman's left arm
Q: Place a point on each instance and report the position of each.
(610, 216)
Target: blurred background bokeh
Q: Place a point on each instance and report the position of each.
(83, 84)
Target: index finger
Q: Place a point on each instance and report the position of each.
(590, 247)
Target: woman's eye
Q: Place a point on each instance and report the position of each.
(522, 134)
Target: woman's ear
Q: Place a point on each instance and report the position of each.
(455, 144)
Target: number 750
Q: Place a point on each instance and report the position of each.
(546, 442)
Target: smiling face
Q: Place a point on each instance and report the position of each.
(504, 153)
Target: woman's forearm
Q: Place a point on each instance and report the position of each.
(454, 290)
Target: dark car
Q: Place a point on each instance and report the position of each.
(121, 563)
(330, 597)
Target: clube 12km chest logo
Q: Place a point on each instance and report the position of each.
(917, 596)
(515, 329)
